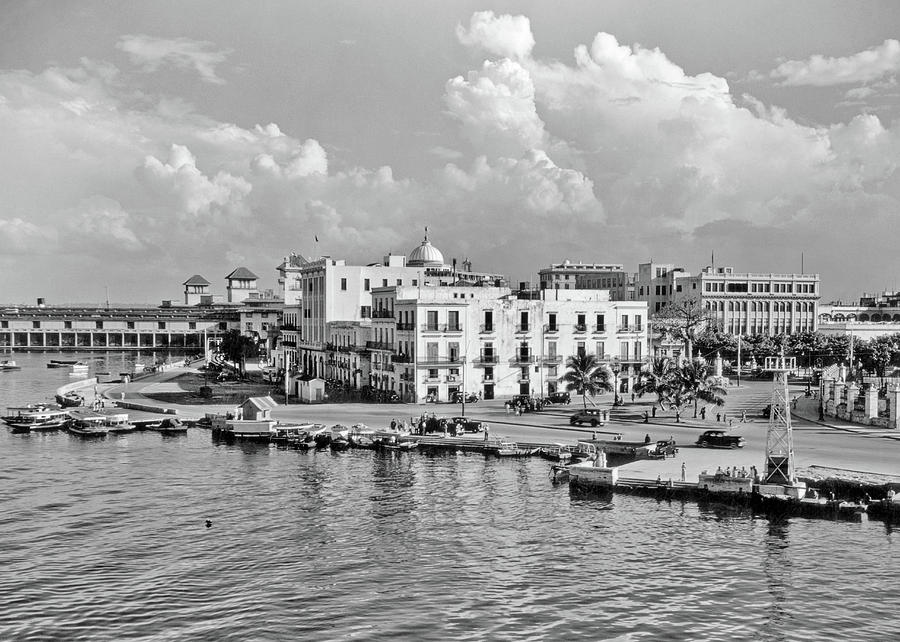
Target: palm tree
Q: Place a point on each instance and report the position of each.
(586, 375)
(656, 378)
(695, 384)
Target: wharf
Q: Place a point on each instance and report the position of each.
(769, 505)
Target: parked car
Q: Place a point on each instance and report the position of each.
(469, 424)
(558, 397)
(592, 416)
(470, 397)
(718, 439)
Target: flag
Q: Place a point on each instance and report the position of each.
(317, 237)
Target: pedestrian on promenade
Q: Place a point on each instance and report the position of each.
(632, 397)
(487, 433)
(646, 417)
(683, 470)
(730, 423)
(653, 409)
(703, 413)
(647, 439)
(718, 417)
(506, 405)
(743, 416)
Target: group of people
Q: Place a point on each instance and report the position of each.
(737, 472)
(519, 406)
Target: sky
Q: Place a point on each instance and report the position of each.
(142, 143)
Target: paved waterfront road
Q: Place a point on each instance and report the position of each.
(814, 444)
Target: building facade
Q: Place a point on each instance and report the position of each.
(874, 316)
(589, 276)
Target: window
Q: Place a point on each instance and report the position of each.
(551, 349)
(415, 282)
(580, 348)
(601, 349)
(192, 325)
(637, 350)
(453, 320)
(432, 320)
(431, 350)
(624, 321)
(623, 348)
(432, 373)
(366, 285)
(453, 349)
(488, 320)
(97, 324)
(384, 283)
(37, 324)
(580, 323)
(67, 325)
(399, 281)
(551, 322)
(365, 311)
(161, 325)
(129, 325)
(637, 322)
(523, 319)
(344, 284)
(678, 288)
(489, 373)
(601, 323)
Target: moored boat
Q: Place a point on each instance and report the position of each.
(70, 400)
(43, 418)
(340, 437)
(9, 365)
(171, 426)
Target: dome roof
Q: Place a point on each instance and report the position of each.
(426, 255)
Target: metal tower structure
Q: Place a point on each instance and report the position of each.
(779, 465)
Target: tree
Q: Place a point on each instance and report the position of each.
(237, 347)
(693, 383)
(655, 378)
(713, 341)
(586, 375)
(683, 320)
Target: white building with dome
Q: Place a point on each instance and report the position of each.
(335, 294)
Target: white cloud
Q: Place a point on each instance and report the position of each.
(151, 53)
(507, 36)
(823, 71)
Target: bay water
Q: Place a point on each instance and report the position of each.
(108, 540)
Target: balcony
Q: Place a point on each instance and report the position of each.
(344, 348)
(487, 328)
(626, 328)
(402, 358)
(487, 379)
(384, 367)
(288, 326)
(599, 328)
(382, 314)
(406, 326)
(433, 327)
(380, 345)
(453, 327)
(430, 379)
(524, 380)
(551, 328)
(552, 358)
(487, 358)
(523, 358)
(523, 328)
(440, 361)
(580, 328)
(290, 344)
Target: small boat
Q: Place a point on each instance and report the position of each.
(557, 453)
(171, 426)
(86, 424)
(41, 420)
(321, 435)
(340, 437)
(559, 473)
(70, 400)
(509, 449)
(15, 413)
(9, 365)
(60, 363)
(118, 423)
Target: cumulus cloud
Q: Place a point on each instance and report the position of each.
(150, 53)
(823, 71)
(496, 109)
(505, 35)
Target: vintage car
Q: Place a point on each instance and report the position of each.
(558, 397)
(592, 416)
(469, 424)
(718, 439)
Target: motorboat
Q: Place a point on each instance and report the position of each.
(9, 365)
(340, 437)
(70, 400)
(509, 449)
(39, 420)
(118, 423)
(14, 413)
(61, 363)
(171, 426)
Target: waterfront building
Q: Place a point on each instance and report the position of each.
(738, 303)
(241, 285)
(195, 289)
(333, 291)
(430, 342)
(875, 315)
(589, 276)
(114, 328)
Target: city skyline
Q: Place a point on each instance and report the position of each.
(148, 144)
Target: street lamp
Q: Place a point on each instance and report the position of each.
(616, 368)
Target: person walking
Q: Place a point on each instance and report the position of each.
(646, 417)
(703, 413)
(743, 416)
(683, 471)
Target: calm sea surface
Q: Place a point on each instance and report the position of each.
(106, 540)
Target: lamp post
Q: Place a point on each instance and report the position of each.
(616, 368)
